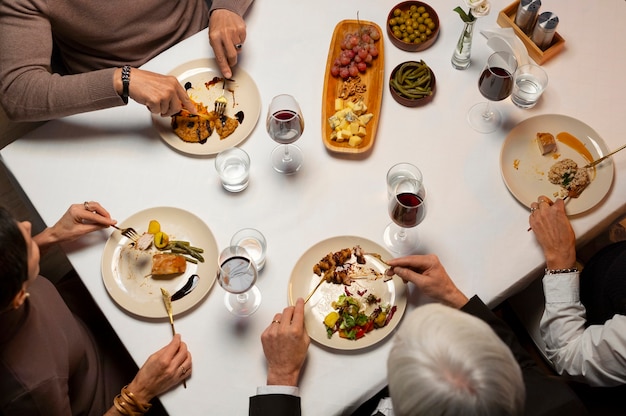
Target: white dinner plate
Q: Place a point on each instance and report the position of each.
(126, 270)
(242, 94)
(525, 170)
(303, 281)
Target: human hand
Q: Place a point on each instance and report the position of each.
(163, 370)
(285, 344)
(553, 232)
(78, 220)
(226, 30)
(428, 274)
(161, 94)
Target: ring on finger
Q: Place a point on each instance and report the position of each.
(183, 370)
(86, 205)
(275, 322)
(239, 46)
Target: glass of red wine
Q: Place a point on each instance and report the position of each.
(407, 208)
(285, 125)
(495, 84)
(237, 274)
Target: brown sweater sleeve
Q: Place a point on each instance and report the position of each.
(238, 6)
(29, 91)
(93, 40)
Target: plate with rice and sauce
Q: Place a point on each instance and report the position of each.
(525, 169)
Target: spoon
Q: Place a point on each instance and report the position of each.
(191, 283)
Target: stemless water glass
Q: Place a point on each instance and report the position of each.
(285, 125)
(495, 84)
(406, 206)
(237, 274)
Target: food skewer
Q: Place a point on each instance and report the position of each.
(313, 291)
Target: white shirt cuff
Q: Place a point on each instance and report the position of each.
(561, 287)
(290, 390)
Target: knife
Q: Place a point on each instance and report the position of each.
(168, 307)
(595, 162)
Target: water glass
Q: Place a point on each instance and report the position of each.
(530, 82)
(254, 242)
(233, 168)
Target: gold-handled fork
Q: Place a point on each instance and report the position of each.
(128, 232)
(221, 101)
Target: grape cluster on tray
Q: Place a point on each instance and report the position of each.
(358, 50)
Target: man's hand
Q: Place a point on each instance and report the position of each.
(285, 344)
(227, 30)
(430, 277)
(553, 232)
(161, 94)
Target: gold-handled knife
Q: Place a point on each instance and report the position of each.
(167, 301)
(168, 307)
(595, 162)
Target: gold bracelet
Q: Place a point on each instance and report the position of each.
(127, 404)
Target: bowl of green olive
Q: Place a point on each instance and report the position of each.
(412, 83)
(412, 26)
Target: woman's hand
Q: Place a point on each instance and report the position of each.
(78, 220)
(227, 32)
(553, 232)
(163, 370)
(428, 274)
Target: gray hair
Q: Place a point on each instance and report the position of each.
(447, 362)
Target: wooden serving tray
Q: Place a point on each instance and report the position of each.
(506, 18)
(373, 78)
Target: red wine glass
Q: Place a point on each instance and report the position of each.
(285, 125)
(495, 84)
(406, 206)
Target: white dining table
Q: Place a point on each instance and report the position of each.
(474, 224)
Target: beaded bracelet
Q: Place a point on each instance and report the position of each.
(125, 82)
(127, 404)
(561, 271)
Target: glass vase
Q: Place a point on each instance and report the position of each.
(463, 49)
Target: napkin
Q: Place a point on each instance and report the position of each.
(504, 39)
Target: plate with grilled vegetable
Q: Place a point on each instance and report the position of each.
(173, 246)
(350, 301)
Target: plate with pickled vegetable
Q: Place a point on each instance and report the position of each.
(173, 246)
(353, 87)
(356, 305)
(208, 133)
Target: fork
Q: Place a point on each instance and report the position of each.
(128, 232)
(221, 101)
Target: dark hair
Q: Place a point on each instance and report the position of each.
(13, 258)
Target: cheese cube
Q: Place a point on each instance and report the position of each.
(355, 141)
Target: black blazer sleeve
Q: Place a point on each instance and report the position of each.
(545, 395)
(275, 405)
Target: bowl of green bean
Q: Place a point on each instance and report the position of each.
(412, 83)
